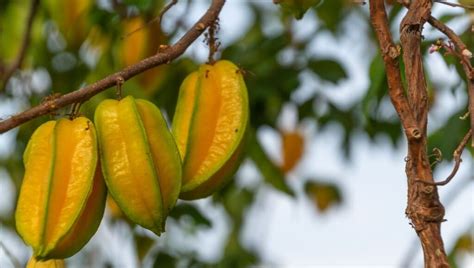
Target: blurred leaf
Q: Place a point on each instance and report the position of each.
(324, 195)
(447, 17)
(235, 255)
(269, 83)
(377, 88)
(11, 28)
(331, 13)
(235, 201)
(394, 11)
(271, 173)
(143, 243)
(306, 109)
(293, 148)
(348, 118)
(297, 8)
(392, 129)
(463, 244)
(188, 210)
(141, 4)
(329, 70)
(164, 260)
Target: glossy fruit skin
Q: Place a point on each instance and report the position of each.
(210, 125)
(62, 197)
(53, 263)
(140, 160)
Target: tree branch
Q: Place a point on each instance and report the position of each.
(424, 209)
(464, 54)
(457, 161)
(8, 72)
(390, 53)
(468, 7)
(410, 38)
(454, 193)
(163, 57)
(158, 19)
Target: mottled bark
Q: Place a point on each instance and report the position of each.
(411, 103)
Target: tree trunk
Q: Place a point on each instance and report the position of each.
(424, 209)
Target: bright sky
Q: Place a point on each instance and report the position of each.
(370, 227)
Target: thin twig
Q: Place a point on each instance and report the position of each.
(469, 7)
(457, 161)
(454, 38)
(8, 72)
(85, 93)
(465, 61)
(158, 19)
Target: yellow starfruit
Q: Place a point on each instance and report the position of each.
(140, 160)
(62, 197)
(53, 263)
(209, 126)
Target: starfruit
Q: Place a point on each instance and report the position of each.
(62, 197)
(53, 263)
(140, 160)
(209, 126)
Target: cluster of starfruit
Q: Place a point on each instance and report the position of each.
(130, 151)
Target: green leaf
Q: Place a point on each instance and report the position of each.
(235, 201)
(297, 8)
(331, 13)
(305, 110)
(236, 255)
(188, 210)
(143, 244)
(378, 86)
(271, 173)
(328, 70)
(324, 195)
(164, 260)
(463, 244)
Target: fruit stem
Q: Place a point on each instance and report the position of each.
(212, 41)
(75, 110)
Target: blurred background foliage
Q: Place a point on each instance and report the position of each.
(77, 42)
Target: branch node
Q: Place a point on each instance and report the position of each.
(467, 53)
(200, 27)
(394, 51)
(428, 190)
(162, 48)
(415, 133)
(464, 116)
